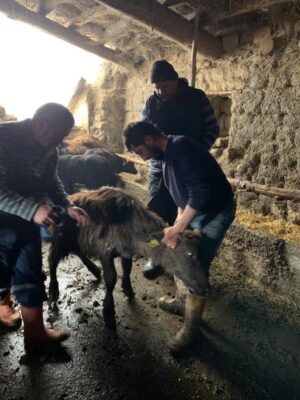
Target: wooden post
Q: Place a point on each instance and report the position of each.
(195, 49)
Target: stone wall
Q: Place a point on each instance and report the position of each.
(106, 106)
(255, 89)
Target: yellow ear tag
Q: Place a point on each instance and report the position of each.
(153, 243)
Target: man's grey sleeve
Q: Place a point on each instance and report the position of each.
(55, 188)
(10, 201)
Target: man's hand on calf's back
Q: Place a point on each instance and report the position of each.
(79, 215)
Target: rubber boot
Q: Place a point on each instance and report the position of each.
(36, 336)
(9, 316)
(187, 337)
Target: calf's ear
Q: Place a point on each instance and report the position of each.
(154, 239)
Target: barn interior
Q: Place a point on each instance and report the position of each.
(245, 56)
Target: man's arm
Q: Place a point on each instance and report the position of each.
(54, 186)
(10, 201)
(181, 223)
(58, 195)
(193, 180)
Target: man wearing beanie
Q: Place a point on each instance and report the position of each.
(175, 108)
(28, 178)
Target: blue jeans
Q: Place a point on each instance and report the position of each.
(21, 261)
(213, 230)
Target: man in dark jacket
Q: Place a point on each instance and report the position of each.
(204, 201)
(175, 109)
(28, 159)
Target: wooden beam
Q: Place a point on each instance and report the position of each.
(280, 193)
(17, 12)
(194, 50)
(170, 3)
(215, 16)
(168, 23)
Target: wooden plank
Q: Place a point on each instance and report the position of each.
(168, 23)
(170, 3)
(214, 17)
(280, 193)
(17, 12)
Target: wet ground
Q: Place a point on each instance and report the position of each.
(242, 353)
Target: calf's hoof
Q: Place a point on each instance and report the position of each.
(53, 297)
(128, 291)
(97, 273)
(109, 320)
(171, 305)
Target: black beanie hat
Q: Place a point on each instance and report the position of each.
(163, 71)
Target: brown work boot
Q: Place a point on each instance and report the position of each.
(170, 305)
(36, 336)
(9, 316)
(189, 334)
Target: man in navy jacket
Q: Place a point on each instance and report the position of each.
(203, 197)
(175, 108)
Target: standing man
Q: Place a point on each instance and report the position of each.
(28, 158)
(175, 109)
(204, 201)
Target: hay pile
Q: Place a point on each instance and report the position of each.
(275, 227)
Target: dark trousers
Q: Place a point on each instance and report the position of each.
(21, 261)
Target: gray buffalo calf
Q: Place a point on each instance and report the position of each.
(90, 170)
(122, 227)
(118, 164)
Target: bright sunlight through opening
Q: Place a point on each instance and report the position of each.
(37, 68)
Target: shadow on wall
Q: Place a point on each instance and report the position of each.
(222, 109)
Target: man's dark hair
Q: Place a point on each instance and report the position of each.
(55, 113)
(135, 133)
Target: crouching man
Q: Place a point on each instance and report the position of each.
(28, 158)
(205, 203)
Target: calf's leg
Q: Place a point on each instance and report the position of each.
(93, 268)
(110, 279)
(54, 258)
(126, 282)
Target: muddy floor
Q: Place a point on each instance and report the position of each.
(242, 354)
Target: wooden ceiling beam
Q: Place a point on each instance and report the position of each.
(167, 23)
(170, 3)
(17, 12)
(216, 16)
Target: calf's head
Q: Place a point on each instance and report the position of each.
(184, 261)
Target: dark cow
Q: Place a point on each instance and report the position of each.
(118, 163)
(91, 170)
(78, 144)
(122, 227)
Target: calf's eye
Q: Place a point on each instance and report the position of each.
(189, 254)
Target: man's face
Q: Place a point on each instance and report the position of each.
(166, 90)
(148, 150)
(49, 134)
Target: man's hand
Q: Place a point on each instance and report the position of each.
(79, 215)
(44, 215)
(170, 238)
